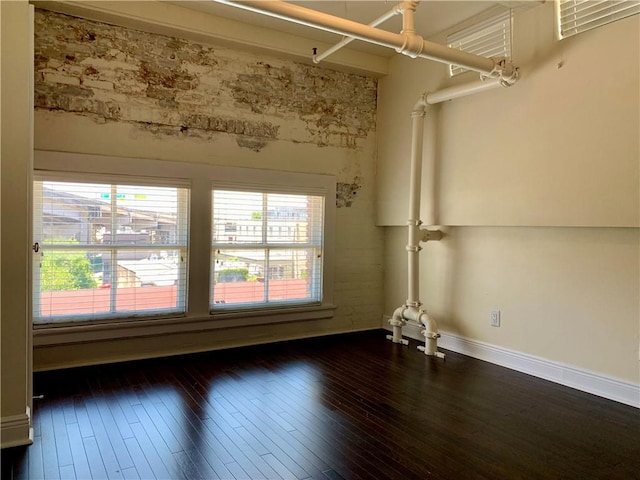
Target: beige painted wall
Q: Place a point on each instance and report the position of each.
(358, 242)
(560, 148)
(556, 151)
(568, 295)
(16, 170)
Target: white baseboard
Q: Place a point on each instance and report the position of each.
(584, 380)
(16, 430)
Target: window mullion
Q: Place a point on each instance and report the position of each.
(114, 253)
(267, 253)
(181, 241)
(265, 233)
(264, 218)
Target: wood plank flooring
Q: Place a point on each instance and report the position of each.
(343, 407)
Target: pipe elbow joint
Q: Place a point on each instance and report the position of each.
(407, 5)
(506, 80)
(397, 320)
(412, 46)
(420, 108)
(505, 71)
(430, 325)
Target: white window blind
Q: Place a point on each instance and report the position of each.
(489, 38)
(577, 16)
(267, 248)
(108, 250)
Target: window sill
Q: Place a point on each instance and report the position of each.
(96, 332)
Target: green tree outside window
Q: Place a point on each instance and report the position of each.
(65, 270)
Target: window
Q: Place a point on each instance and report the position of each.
(489, 38)
(107, 249)
(576, 16)
(274, 257)
(150, 268)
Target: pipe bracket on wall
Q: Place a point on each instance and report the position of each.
(428, 235)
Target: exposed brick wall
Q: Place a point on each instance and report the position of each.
(177, 87)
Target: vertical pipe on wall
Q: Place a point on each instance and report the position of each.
(412, 310)
(414, 222)
(408, 43)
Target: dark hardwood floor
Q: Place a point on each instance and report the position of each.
(343, 407)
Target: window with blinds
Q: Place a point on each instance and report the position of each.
(489, 38)
(267, 248)
(577, 16)
(107, 249)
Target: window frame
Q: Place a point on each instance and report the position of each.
(110, 181)
(267, 246)
(486, 27)
(200, 177)
(601, 13)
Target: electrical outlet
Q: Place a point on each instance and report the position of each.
(495, 318)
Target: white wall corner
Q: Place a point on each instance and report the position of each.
(16, 430)
(584, 380)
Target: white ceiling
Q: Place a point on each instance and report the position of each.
(432, 17)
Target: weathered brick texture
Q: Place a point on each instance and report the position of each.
(178, 87)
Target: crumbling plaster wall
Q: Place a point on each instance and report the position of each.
(177, 86)
(108, 90)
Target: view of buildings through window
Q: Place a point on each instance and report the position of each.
(117, 250)
(108, 250)
(267, 248)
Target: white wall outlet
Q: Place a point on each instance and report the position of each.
(495, 318)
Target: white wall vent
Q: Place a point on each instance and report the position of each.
(488, 38)
(577, 16)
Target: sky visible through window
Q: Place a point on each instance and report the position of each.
(244, 204)
(159, 199)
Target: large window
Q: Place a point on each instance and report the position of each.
(108, 249)
(141, 247)
(577, 16)
(267, 248)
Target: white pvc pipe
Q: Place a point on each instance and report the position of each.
(415, 179)
(408, 44)
(411, 310)
(396, 322)
(408, 13)
(462, 90)
(431, 336)
(378, 21)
